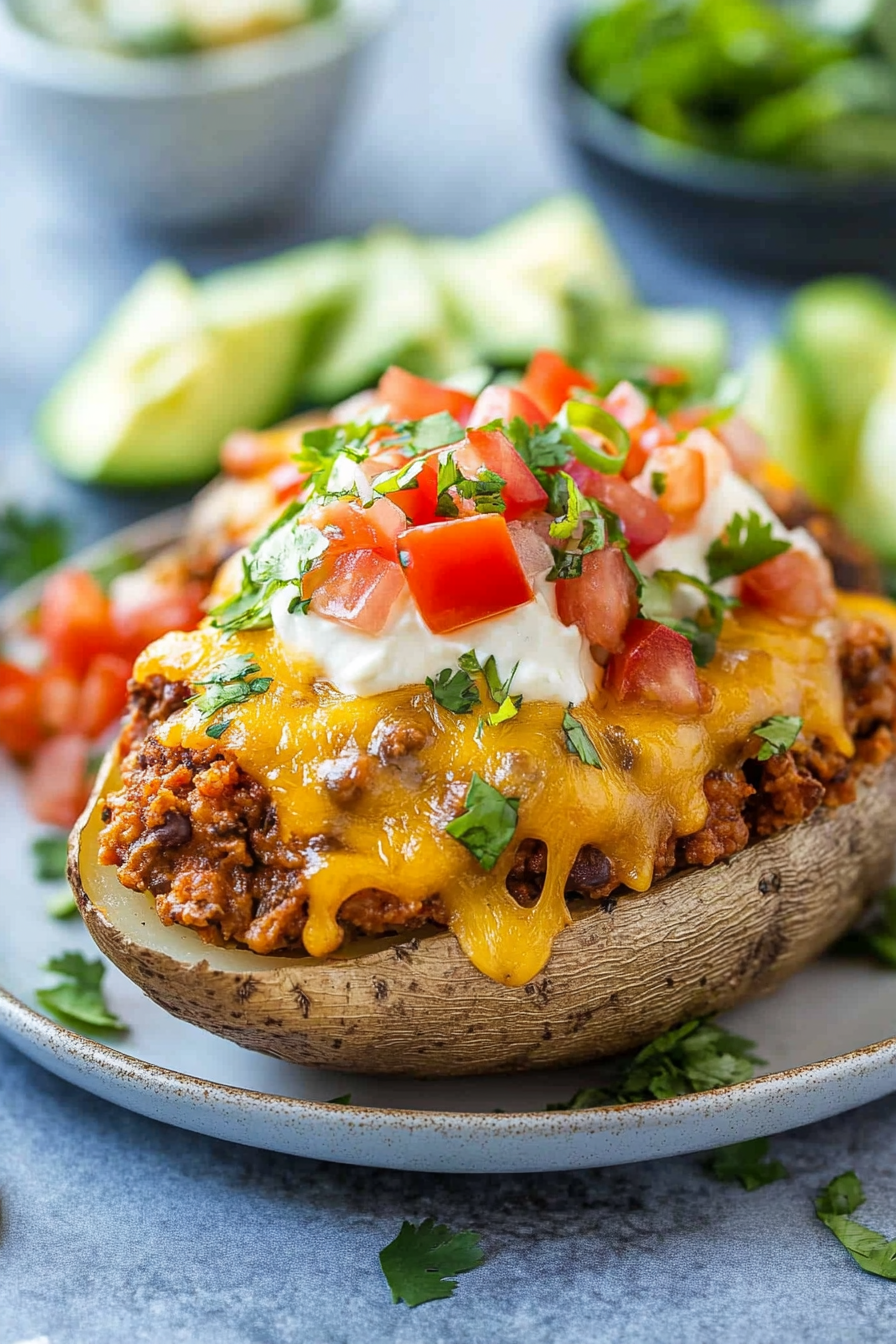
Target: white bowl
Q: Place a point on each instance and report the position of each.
(189, 140)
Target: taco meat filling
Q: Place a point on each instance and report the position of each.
(202, 837)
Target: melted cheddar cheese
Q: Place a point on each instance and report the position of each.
(301, 733)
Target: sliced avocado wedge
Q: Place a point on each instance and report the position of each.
(841, 333)
(776, 403)
(870, 510)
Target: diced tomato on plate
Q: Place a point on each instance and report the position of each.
(75, 620)
(463, 571)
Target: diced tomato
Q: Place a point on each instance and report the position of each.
(602, 601)
(627, 404)
(60, 694)
(57, 785)
(160, 611)
(287, 481)
(351, 527)
(103, 695)
(684, 480)
(411, 398)
(462, 571)
(794, 587)
(21, 730)
(246, 453)
(656, 666)
(550, 381)
(75, 620)
(489, 448)
(499, 402)
(643, 521)
(360, 591)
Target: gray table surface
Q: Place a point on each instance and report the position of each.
(114, 1228)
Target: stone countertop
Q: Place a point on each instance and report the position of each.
(114, 1228)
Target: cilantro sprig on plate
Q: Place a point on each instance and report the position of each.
(78, 1001)
(422, 1263)
(29, 543)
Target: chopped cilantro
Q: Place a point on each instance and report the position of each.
(63, 905)
(422, 1263)
(50, 854)
(575, 507)
(405, 478)
(870, 1250)
(78, 999)
(454, 690)
(232, 683)
(578, 741)
(876, 938)
(658, 481)
(321, 447)
(656, 596)
(435, 431)
(746, 1162)
(484, 489)
(282, 555)
(508, 709)
(695, 1057)
(744, 544)
(498, 690)
(29, 543)
(487, 824)
(539, 448)
(778, 735)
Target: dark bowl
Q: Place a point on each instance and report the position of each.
(758, 214)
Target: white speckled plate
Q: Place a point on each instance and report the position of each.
(828, 1037)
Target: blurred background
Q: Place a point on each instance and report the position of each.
(454, 118)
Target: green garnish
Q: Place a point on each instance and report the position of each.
(435, 431)
(78, 999)
(695, 1057)
(576, 506)
(483, 489)
(498, 690)
(878, 938)
(421, 1264)
(487, 824)
(508, 709)
(454, 690)
(280, 556)
(539, 448)
(578, 741)
(29, 543)
(870, 1250)
(746, 1162)
(744, 544)
(778, 735)
(658, 480)
(405, 478)
(344, 1100)
(62, 906)
(232, 683)
(586, 415)
(50, 853)
(656, 597)
(113, 566)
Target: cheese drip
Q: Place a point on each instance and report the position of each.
(300, 735)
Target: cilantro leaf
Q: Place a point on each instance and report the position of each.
(113, 566)
(405, 478)
(78, 999)
(508, 709)
(658, 481)
(498, 690)
(435, 431)
(50, 853)
(539, 448)
(487, 825)
(657, 598)
(745, 1162)
(63, 905)
(744, 544)
(579, 742)
(29, 543)
(778, 735)
(420, 1265)
(281, 555)
(484, 489)
(695, 1057)
(455, 691)
(870, 1250)
(878, 937)
(575, 507)
(232, 683)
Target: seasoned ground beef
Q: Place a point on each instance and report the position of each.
(193, 829)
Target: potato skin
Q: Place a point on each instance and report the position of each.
(698, 942)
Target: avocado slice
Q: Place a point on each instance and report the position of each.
(182, 364)
(841, 334)
(870, 510)
(776, 403)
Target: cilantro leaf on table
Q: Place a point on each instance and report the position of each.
(656, 597)
(695, 1057)
(778, 735)
(50, 854)
(29, 543)
(578, 741)
(486, 826)
(746, 1162)
(232, 683)
(744, 544)
(422, 1263)
(870, 1250)
(282, 555)
(454, 690)
(877, 938)
(78, 999)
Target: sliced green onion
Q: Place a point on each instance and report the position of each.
(585, 415)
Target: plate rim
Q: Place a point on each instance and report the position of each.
(20, 1023)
